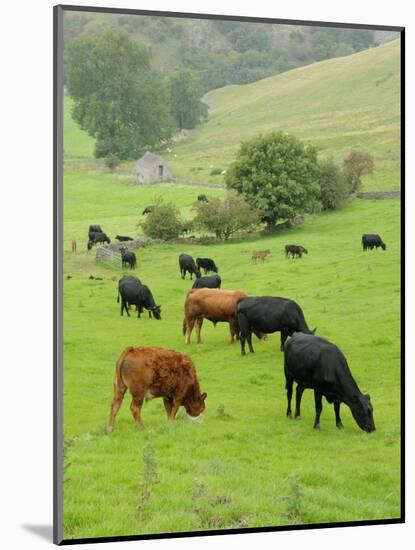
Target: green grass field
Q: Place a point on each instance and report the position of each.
(246, 465)
(337, 105)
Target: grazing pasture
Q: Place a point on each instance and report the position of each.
(246, 465)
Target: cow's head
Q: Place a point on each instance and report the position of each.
(362, 412)
(197, 273)
(156, 310)
(195, 407)
(383, 245)
(90, 245)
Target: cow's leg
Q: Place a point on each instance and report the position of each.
(189, 328)
(298, 395)
(319, 407)
(198, 328)
(135, 408)
(119, 392)
(174, 408)
(249, 340)
(289, 387)
(284, 336)
(167, 402)
(339, 423)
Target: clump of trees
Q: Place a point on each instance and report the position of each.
(224, 217)
(283, 178)
(163, 222)
(185, 105)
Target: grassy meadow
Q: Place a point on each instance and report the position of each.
(246, 465)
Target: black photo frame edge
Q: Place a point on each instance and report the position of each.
(58, 12)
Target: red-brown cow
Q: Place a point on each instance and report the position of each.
(156, 372)
(213, 304)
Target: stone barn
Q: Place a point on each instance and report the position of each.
(151, 168)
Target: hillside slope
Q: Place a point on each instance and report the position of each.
(337, 105)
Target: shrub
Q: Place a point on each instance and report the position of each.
(163, 222)
(356, 165)
(333, 185)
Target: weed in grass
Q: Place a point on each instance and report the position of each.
(149, 475)
(222, 412)
(295, 500)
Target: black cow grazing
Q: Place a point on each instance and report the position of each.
(316, 363)
(123, 238)
(97, 237)
(187, 263)
(207, 264)
(372, 241)
(211, 281)
(148, 209)
(295, 250)
(132, 292)
(202, 198)
(186, 228)
(128, 258)
(267, 314)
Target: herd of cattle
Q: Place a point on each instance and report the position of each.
(310, 361)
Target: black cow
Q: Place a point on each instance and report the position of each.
(123, 238)
(148, 209)
(94, 229)
(267, 314)
(97, 237)
(211, 281)
(128, 258)
(372, 241)
(202, 198)
(316, 363)
(187, 263)
(295, 250)
(132, 292)
(207, 264)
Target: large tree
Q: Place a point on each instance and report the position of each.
(185, 94)
(278, 175)
(118, 100)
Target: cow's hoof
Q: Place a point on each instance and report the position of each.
(289, 415)
(298, 417)
(110, 429)
(317, 427)
(339, 425)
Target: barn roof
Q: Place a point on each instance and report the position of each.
(148, 160)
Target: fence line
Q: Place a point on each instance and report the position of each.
(109, 257)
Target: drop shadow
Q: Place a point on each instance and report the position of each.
(43, 531)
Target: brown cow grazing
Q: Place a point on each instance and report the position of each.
(213, 304)
(73, 246)
(260, 255)
(156, 372)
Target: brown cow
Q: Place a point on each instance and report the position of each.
(213, 304)
(156, 372)
(73, 246)
(260, 254)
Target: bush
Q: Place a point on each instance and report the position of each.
(357, 164)
(333, 185)
(225, 217)
(163, 222)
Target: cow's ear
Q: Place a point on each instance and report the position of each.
(314, 330)
(204, 395)
(367, 397)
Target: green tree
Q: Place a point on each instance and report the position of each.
(185, 93)
(357, 164)
(163, 222)
(118, 100)
(333, 185)
(225, 217)
(278, 175)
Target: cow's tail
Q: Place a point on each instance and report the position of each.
(118, 381)
(118, 296)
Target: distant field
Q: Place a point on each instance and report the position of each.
(337, 105)
(246, 465)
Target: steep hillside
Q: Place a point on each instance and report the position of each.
(337, 105)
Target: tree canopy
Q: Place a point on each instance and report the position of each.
(225, 217)
(355, 165)
(185, 105)
(118, 100)
(278, 175)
